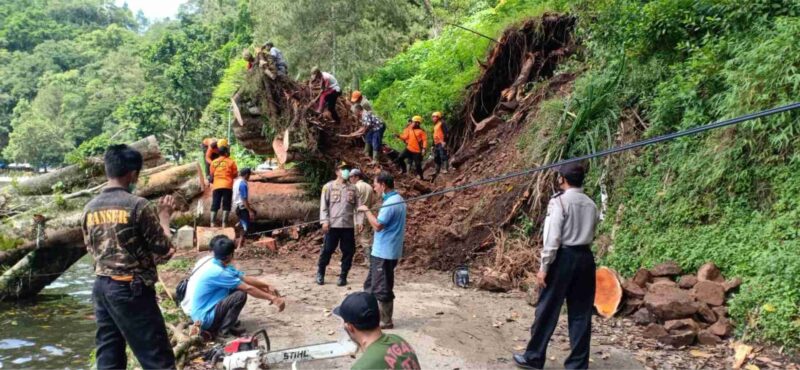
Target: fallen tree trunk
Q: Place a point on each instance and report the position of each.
(83, 174)
(41, 266)
(278, 176)
(167, 181)
(52, 238)
(274, 202)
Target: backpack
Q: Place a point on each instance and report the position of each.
(180, 289)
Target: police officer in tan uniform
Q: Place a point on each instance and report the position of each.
(567, 272)
(337, 213)
(127, 236)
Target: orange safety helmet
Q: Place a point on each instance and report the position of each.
(222, 143)
(417, 119)
(437, 114)
(355, 96)
(207, 141)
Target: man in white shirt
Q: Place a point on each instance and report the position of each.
(277, 57)
(330, 92)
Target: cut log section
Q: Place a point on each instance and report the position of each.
(278, 176)
(608, 292)
(273, 202)
(205, 234)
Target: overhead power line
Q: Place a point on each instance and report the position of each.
(602, 153)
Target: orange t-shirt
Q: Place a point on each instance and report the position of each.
(211, 154)
(438, 134)
(411, 144)
(224, 171)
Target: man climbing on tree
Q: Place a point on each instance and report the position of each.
(356, 98)
(211, 152)
(440, 156)
(337, 212)
(372, 129)
(127, 236)
(416, 144)
(223, 171)
(567, 271)
(277, 57)
(330, 92)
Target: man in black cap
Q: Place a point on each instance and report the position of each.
(567, 271)
(362, 323)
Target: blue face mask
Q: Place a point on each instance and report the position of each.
(345, 174)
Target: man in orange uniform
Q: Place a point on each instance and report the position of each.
(223, 172)
(440, 156)
(416, 144)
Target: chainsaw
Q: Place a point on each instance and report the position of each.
(254, 353)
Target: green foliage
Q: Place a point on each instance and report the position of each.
(178, 265)
(245, 157)
(432, 74)
(89, 148)
(317, 173)
(8, 243)
(729, 196)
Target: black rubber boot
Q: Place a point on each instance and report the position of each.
(320, 278)
(342, 281)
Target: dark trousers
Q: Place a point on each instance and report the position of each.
(415, 158)
(440, 157)
(127, 313)
(330, 104)
(221, 197)
(570, 277)
(226, 312)
(345, 238)
(380, 280)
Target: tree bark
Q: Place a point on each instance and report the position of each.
(167, 181)
(273, 202)
(80, 175)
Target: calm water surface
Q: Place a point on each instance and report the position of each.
(55, 331)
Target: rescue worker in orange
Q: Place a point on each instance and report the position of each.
(223, 172)
(416, 145)
(440, 156)
(211, 153)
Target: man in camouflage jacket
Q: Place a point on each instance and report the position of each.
(127, 236)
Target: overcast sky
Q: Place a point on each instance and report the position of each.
(153, 9)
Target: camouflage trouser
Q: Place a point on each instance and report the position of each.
(364, 240)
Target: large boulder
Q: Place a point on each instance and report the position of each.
(670, 303)
(709, 292)
(642, 277)
(669, 268)
(706, 314)
(680, 338)
(705, 338)
(680, 325)
(643, 316)
(687, 281)
(633, 290)
(709, 272)
(732, 284)
(655, 331)
(722, 328)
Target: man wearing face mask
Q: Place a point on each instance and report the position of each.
(359, 311)
(127, 236)
(567, 272)
(337, 213)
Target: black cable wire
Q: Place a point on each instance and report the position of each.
(602, 153)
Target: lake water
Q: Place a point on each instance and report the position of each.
(54, 331)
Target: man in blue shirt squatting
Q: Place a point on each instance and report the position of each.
(222, 290)
(387, 247)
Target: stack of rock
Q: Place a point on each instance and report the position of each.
(680, 312)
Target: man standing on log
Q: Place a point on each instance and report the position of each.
(223, 171)
(567, 271)
(387, 249)
(277, 58)
(127, 235)
(373, 129)
(416, 144)
(367, 198)
(337, 212)
(241, 203)
(330, 92)
(211, 153)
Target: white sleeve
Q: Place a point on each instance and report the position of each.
(551, 236)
